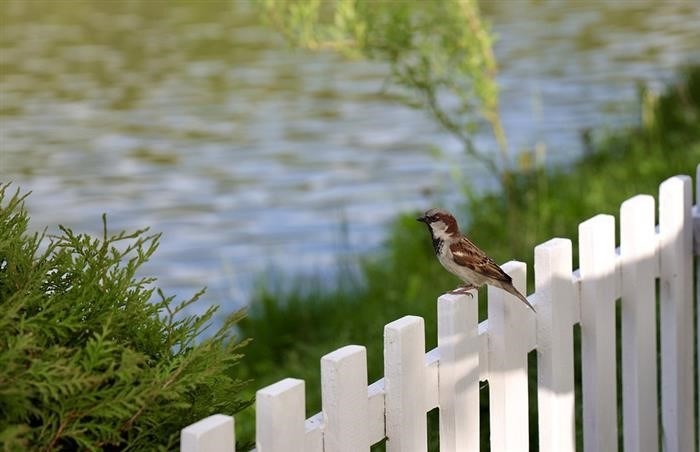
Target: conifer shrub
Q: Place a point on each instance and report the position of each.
(92, 356)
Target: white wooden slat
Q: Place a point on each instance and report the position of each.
(375, 396)
(458, 383)
(344, 399)
(404, 379)
(313, 434)
(555, 345)
(597, 267)
(576, 281)
(638, 335)
(279, 417)
(484, 350)
(315, 425)
(211, 434)
(508, 397)
(432, 363)
(617, 278)
(675, 260)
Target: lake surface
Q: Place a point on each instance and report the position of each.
(197, 121)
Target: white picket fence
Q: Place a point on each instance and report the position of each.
(355, 416)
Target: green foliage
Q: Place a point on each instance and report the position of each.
(294, 329)
(439, 54)
(87, 360)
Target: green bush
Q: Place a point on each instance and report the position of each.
(87, 359)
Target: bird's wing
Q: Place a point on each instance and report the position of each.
(468, 255)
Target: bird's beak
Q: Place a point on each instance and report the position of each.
(422, 219)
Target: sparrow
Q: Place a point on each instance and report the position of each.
(462, 258)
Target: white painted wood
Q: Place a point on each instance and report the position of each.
(375, 395)
(676, 325)
(638, 335)
(576, 279)
(404, 379)
(313, 433)
(279, 417)
(508, 398)
(344, 400)
(555, 345)
(211, 434)
(597, 268)
(484, 350)
(432, 363)
(375, 415)
(617, 277)
(458, 386)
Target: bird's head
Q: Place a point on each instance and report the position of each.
(441, 223)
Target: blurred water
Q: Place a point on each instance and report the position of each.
(195, 120)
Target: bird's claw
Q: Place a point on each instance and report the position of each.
(463, 290)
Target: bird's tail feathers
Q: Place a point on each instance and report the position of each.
(512, 290)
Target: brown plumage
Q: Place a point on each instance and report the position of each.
(463, 258)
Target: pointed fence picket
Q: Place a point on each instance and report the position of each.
(354, 415)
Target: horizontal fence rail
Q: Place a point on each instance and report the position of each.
(355, 416)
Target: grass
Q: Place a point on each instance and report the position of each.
(294, 329)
